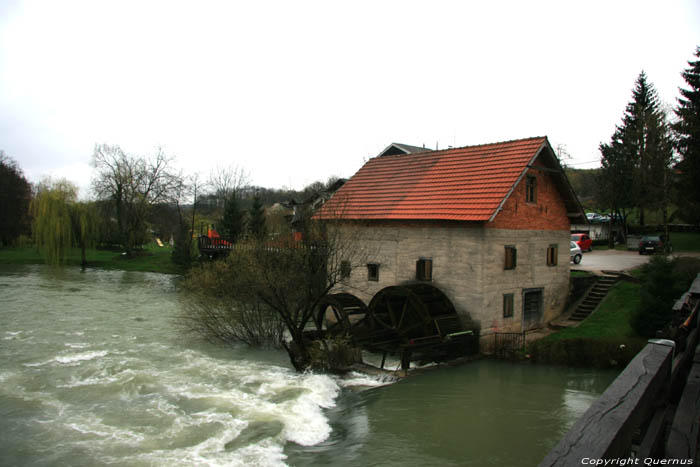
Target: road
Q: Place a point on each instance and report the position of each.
(614, 260)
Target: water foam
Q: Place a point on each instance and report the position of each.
(356, 380)
(78, 345)
(79, 357)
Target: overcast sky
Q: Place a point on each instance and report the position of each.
(297, 91)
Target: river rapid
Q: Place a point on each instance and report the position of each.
(94, 370)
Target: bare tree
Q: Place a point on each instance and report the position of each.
(187, 191)
(285, 279)
(227, 181)
(132, 184)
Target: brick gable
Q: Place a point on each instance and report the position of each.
(547, 213)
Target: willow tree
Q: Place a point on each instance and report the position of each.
(84, 228)
(61, 222)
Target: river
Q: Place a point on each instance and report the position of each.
(94, 370)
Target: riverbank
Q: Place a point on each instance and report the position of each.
(603, 340)
(606, 339)
(151, 259)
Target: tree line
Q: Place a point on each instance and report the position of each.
(652, 161)
(135, 199)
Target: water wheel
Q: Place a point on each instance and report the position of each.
(409, 311)
(410, 320)
(338, 313)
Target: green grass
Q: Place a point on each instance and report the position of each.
(612, 318)
(685, 241)
(154, 259)
(604, 339)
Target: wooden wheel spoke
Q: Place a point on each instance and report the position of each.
(403, 313)
(392, 316)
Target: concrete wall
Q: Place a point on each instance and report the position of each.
(468, 266)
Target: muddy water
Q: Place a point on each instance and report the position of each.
(94, 371)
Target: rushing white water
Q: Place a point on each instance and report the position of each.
(94, 371)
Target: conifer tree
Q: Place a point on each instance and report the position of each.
(232, 225)
(636, 162)
(256, 222)
(15, 194)
(687, 141)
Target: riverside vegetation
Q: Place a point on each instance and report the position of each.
(151, 259)
(631, 313)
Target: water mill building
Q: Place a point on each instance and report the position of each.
(487, 225)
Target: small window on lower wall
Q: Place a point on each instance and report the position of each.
(424, 269)
(552, 254)
(345, 269)
(508, 305)
(373, 272)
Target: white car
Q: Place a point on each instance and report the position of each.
(576, 253)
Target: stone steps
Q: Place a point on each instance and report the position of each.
(594, 297)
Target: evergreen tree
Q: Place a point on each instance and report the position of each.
(616, 181)
(15, 195)
(687, 141)
(636, 162)
(232, 225)
(256, 222)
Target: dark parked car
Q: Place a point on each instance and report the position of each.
(653, 244)
(583, 241)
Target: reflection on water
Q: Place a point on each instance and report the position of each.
(93, 371)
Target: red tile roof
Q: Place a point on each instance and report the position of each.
(465, 184)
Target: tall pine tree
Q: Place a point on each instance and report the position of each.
(232, 224)
(256, 222)
(687, 141)
(616, 184)
(639, 155)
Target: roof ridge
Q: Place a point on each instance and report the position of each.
(466, 183)
(434, 152)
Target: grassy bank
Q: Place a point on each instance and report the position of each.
(153, 259)
(685, 241)
(605, 339)
(682, 241)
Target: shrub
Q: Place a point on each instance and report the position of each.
(663, 281)
(613, 353)
(333, 353)
(212, 309)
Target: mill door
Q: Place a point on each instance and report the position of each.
(532, 307)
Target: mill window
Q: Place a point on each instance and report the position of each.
(508, 305)
(511, 257)
(552, 253)
(345, 269)
(424, 269)
(531, 189)
(373, 272)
